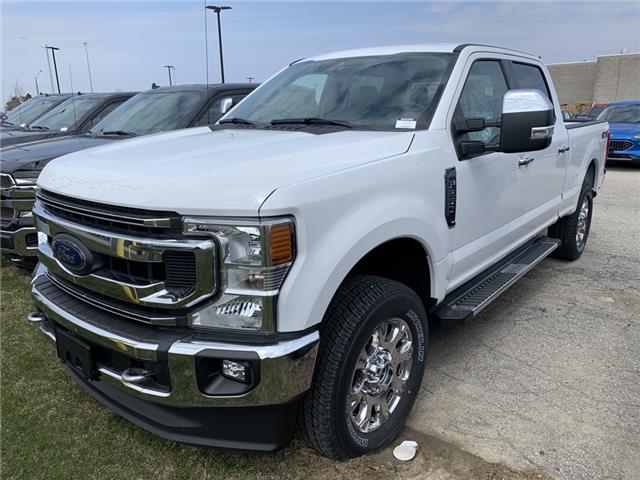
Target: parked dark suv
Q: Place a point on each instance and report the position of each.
(30, 110)
(75, 115)
(152, 111)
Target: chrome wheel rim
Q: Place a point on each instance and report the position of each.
(380, 375)
(583, 215)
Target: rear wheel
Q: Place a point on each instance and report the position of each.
(573, 231)
(369, 368)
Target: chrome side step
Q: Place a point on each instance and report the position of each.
(467, 301)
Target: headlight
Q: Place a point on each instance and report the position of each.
(255, 258)
(637, 137)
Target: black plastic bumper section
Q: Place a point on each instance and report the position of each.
(267, 428)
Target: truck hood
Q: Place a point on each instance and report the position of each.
(198, 171)
(35, 155)
(624, 130)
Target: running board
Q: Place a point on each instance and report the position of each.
(467, 301)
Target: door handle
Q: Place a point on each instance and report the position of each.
(563, 149)
(523, 162)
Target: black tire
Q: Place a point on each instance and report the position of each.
(566, 228)
(359, 307)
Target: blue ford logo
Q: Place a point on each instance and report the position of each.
(72, 254)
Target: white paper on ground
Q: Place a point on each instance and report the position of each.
(406, 450)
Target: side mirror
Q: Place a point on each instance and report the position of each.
(225, 105)
(527, 121)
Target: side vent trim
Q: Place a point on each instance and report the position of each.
(450, 195)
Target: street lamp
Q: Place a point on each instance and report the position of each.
(36, 80)
(47, 55)
(55, 66)
(169, 68)
(217, 10)
(86, 51)
(250, 79)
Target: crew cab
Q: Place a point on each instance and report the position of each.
(75, 115)
(156, 110)
(219, 285)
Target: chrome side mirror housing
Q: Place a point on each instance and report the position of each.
(527, 121)
(225, 105)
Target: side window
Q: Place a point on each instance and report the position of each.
(104, 112)
(529, 76)
(212, 114)
(482, 97)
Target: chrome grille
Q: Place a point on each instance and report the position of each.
(6, 181)
(139, 276)
(6, 216)
(619, 145)
(110, 218)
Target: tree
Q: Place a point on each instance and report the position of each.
(15, 101)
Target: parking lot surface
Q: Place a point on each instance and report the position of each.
(547, 378)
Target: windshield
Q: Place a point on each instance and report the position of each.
(64, 116)
(152, 112)
(621, 114)
(383, 92)
(30, 110)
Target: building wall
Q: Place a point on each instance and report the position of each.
(617, 78)
(609, 78)
(574, 81)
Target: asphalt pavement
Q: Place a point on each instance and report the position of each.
(547, 378)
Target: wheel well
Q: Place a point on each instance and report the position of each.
(403, 260)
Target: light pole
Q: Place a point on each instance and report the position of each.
(55, 66)
(86, 51)
(47, 55)
(169, 68)
(250, 79)
(36, 80)
(217, 10)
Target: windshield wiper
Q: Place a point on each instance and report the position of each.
(121, 133)
(311, 121)
(38, 127)
(8, 123)
(237, 121)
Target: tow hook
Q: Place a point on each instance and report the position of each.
(135, 375)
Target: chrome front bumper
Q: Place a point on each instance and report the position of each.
(285, 367)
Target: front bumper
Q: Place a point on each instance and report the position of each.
(630, 153)
(183, 407)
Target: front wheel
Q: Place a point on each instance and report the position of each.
(573, 231)
(369, 369)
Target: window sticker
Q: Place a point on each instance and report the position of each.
(406, 123)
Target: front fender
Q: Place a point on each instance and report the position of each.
(341, 218)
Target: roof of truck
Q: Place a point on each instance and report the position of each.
(423, 47)
(625, 102)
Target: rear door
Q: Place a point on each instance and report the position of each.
(543, 177)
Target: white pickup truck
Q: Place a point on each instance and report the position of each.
(220, 285)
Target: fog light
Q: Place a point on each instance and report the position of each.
(234, 370)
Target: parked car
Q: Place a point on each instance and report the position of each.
(75, 115)
(214, 284)
(624, 123)
(567, 115)
(153, 111)
(591, 113)
(29, 111)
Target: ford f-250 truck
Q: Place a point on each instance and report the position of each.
(220, 285)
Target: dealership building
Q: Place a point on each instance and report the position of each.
(608, 78)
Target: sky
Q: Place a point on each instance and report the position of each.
(129, 42)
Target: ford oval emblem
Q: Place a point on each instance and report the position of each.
(72, 254)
